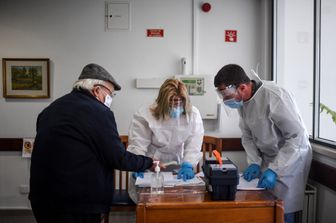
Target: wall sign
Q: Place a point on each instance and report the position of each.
(155, 32)
(230, 35)
(27, 147)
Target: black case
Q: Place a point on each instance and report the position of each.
(222, 181)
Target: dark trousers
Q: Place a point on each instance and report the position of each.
(43, 215)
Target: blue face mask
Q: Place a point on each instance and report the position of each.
(176, 112)
(232, 103)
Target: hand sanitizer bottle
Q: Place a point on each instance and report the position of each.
(157, 180)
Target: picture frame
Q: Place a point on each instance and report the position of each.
(26, 78)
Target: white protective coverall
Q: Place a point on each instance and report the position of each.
(274, 136)
(175, 139)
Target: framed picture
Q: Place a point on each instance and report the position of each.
(25, 78)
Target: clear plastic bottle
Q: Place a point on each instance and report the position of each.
(157, 180)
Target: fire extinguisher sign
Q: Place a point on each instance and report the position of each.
(231, 36)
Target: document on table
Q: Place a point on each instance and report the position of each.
(243, 184)
(246, 185)
(170, 180)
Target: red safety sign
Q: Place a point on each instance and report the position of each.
(155, 32)
(230, 35)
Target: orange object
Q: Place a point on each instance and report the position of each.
(218, 157)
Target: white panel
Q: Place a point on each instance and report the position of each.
(118, 15)
(202, 94)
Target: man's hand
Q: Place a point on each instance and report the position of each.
(267, 179)
(138, 174)
(251, 172)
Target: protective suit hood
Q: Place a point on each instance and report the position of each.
(255, 77)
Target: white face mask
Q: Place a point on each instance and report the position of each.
(108, 101)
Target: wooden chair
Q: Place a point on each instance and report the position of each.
(121, 200)
(209, 144)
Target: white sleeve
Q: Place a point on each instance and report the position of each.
(139, 135)
(193, 144)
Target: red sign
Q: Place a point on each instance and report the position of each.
(154, 32)
(230, 35)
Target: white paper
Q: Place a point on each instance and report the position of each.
(169, 179)
(146, 180)
(245, 185)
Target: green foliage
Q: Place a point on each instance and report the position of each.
(329, 111)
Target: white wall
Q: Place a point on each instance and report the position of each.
(72, 34)
(295, 53)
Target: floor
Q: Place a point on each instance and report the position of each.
(26, 216)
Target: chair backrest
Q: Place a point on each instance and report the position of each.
(121, 177)
(209, 144)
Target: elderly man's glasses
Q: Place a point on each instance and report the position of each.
(112, 94)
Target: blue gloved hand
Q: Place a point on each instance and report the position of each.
(251, 172)
(267, 179)
(186, 172)
(138, 174)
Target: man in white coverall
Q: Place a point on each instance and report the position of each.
(171, 129)
(273, 135)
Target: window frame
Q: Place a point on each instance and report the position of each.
(314, 138)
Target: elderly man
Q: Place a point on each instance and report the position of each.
(77, 147)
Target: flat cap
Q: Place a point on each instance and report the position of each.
(94, 71)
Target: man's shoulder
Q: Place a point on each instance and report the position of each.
(66, 100)
(272, 88)
(80, 101)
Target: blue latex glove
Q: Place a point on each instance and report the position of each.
(186, 172)
(251, 172)
(267, 179)
(138, 174)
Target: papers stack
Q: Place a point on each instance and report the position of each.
(246, 185)
(170, 180)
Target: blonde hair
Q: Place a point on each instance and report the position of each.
(170, 88)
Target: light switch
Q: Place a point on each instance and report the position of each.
(118, 16)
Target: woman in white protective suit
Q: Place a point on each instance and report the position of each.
(273, 135)
(171, 129)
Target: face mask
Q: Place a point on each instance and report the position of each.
(176, 112)
(232, 103)
(108, 100)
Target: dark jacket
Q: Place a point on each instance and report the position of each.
(76, 149)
